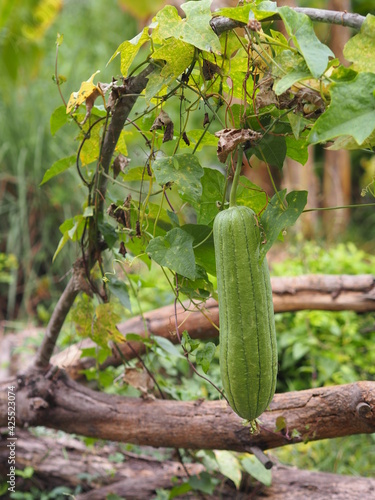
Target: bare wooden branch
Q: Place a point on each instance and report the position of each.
(62, 460)
(325, 292)
(355, 21)
(58, 402)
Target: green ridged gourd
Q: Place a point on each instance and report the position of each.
(248, 350)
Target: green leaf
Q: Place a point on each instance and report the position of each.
(167, 346)
(82, 315)
(204, 482)
(300, 28)
(288, 67)
(203, 246)
(174, 251)
(229, 465)
(196, 135)
(253, 467)
(260, 10)
(195, 29)
(280, 424)
(205, 355)
(104, 328)
(272, 149)
(360, 49)
(120, 290)
(298, 123)
(91, 147)
(351, 113)
(109, 233)
(156, 83)
(297, 149)
(129, 49)
(188, 343)
(251, 195)
(58, 167)
(213, 183)
(71, 229)
(185, 171)
(58, 119)
(178, 56)
(179, 490)
(279, 215)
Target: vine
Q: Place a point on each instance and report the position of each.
(255, 93)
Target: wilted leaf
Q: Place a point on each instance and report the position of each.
(119, 165)
(229, 139)
(87, 90)
(163, 121)
(174, 251)
(138, 378)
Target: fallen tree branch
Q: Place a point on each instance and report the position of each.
(62, 460)
(58, 402)
(65, 461)
(325, 292)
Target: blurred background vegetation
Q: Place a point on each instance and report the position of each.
(316, 348)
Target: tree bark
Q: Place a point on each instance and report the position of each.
(66, 461)
(58, 402)
(355, 21)
(326, 292)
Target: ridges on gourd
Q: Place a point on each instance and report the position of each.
(248, 351)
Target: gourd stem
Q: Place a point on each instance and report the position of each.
(236, 178)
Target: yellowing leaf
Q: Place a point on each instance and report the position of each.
(195, 29)
(178, 56)
(86, 90)
(360, 48)
(129, 49)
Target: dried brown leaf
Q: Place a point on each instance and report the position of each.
(229, 139)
